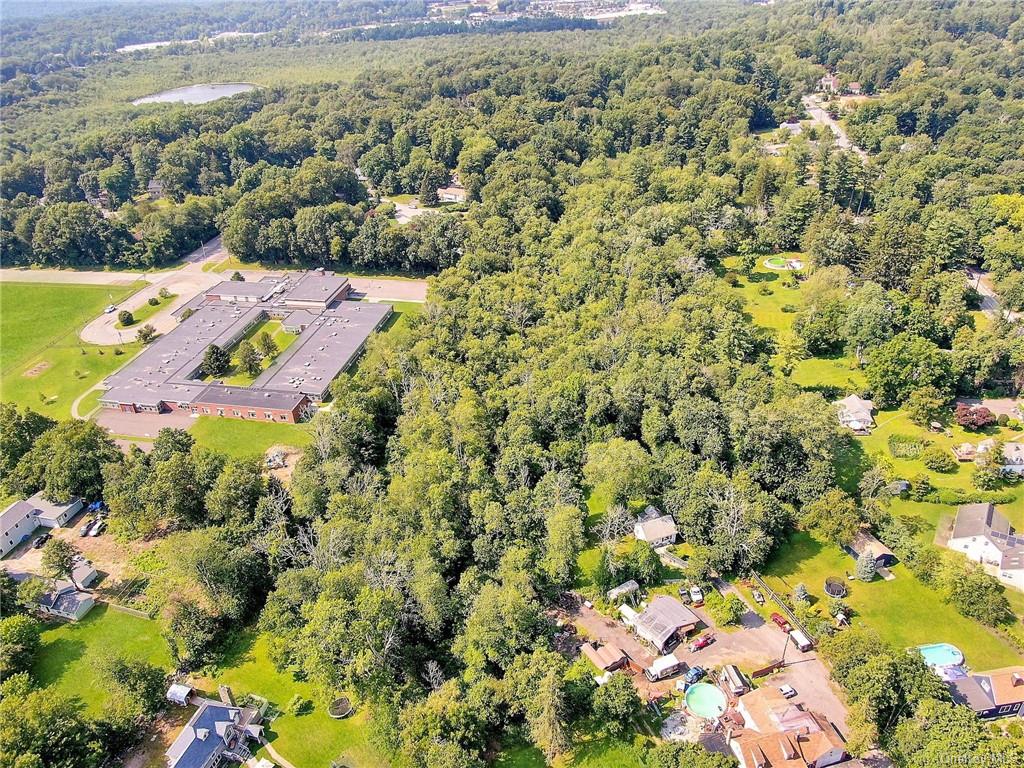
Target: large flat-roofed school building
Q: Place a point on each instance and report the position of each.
(166, 375)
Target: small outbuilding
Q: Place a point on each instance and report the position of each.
(607, 658)
(626, 589)
(66, 601)
(865, 542)
(179, 694)
(665, 622)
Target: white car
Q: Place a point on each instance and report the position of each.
(697, 595)
(787, 691)
(110, 308)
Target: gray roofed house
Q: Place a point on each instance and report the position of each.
(985, 536)
(856, 413)
(66, 601)
(20, 518)
(992, 694)
(657, 532)
(664, 621)
(216, 732)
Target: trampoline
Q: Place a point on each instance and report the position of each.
(835, 587)
(340, 708)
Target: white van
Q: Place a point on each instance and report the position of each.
(801, 641)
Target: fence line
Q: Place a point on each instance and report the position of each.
(777, 599)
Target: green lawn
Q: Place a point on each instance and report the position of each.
(312, 740)
(239, 437)
(283, 338)
(766, 309)
(146, 311)
(70, 652)
(44, 364)
(903, 611)
(90, 402)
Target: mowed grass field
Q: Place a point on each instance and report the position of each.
(43, 363)
(69, 657)
(238, 437)
(311, 740)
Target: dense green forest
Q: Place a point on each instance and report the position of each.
(580, 336)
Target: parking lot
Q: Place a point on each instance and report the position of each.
(106, 554)
(753, 645)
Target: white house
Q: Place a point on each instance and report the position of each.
(856, 413)
(1013, 458)
(658, 531)
(985, 536)
(452, 194)
(20, 519)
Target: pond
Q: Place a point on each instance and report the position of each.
(196, 94)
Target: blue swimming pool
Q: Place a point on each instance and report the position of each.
(941, 655)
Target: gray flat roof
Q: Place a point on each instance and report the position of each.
(242, 288)
(327, 347)
(245, 397)
(315, 286)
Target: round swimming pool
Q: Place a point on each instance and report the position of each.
(941, 655)
(705, 700)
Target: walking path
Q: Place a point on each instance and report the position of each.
(275, 754)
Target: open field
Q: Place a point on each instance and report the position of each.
(70, 652)
(44, 365)
(312, 740)
(238, 437)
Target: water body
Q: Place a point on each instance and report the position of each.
(196, 94)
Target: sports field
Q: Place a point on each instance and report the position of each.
(43, 363)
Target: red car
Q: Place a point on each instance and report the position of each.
(701, 642)
(781, 622)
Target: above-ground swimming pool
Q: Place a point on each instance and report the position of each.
(781, 262)
(941, 655)
(705, 700)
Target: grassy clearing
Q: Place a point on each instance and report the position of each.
(70, 653)
(240, 378)
(90, 402)
(766, 292)
(903, 611)
(44, 364)
(234, 264)
(146, 311)
(238, 437)
(312, 740)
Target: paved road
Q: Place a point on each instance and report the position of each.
(982, 282)
(820, 116)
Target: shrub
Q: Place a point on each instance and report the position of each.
(986, 478)
(1002, 419)
(724, 610)
(920, 487)
(866, 567)
(973, 416)
(298, 706)
(154, 301)
(731, 279)
(164, 293)
(124, 317)
(938, 460)
(788, 309)
(764, 290)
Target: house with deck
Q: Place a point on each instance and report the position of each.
(215, 734)
(993, 694)
(984, 535)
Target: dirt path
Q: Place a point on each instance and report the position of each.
(822, 117)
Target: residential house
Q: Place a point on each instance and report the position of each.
(656, 529)
(998, 693)
(865, 542)
(854, 88)
(452, 194)
(155, 189)
(66, 601)
(856, 413)
(215, 733)
(664, 622)
(21, 518)
(770, 732)
(607, 658)
(830, 84)
(984, 535)
(1013, 458)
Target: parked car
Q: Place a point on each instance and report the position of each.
(787, 691)
(697, 595)
(684, 595)
(780, 621)
(110, 308)
(701, 642)
(694, 674)
(38, 543)
(98, 527)
(758, 597)
(84, 530)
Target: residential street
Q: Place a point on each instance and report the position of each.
(982, 282)
(820, 116)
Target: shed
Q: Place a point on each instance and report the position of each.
(623, 590)
(606, 658)
(864, 541)
(179, 694)
(664, 621)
